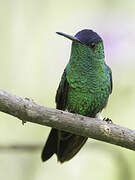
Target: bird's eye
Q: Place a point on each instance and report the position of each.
(92, 45)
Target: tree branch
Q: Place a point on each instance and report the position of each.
(27, 110)
(20, 147)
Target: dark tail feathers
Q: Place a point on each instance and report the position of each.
(51, 145)
(64, 144)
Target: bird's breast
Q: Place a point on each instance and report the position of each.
(87, 94)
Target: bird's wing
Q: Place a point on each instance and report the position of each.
(110, 77)
(62, 91)
(67, 144)
(53, 143)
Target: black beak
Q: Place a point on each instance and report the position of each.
(68, 36)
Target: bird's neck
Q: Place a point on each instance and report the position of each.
(84, 68)
(83, 59)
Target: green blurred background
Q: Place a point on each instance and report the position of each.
(32, 59)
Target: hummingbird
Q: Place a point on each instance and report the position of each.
(85, 86)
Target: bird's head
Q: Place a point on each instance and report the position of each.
(89, 41)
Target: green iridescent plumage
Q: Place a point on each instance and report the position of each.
(84, 89)
(89, 85)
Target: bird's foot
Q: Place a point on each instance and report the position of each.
(29, 99)
(109, 121)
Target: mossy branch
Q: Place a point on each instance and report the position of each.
(28, 111)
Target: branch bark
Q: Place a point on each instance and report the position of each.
(27, 110)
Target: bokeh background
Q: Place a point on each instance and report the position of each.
(32, 59)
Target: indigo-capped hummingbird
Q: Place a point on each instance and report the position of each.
(84, 88)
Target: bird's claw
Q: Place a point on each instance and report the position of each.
(29, 99)
(109, 121)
